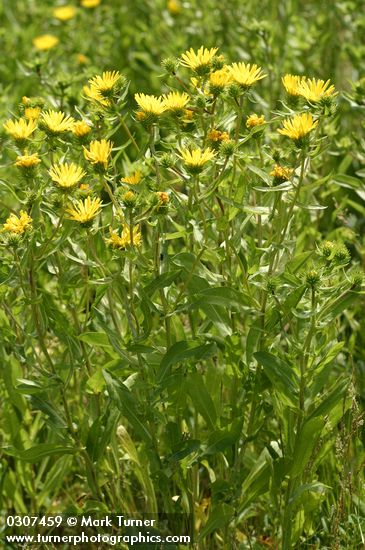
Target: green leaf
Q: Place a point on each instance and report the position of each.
(220, 516)
(98, 339)
(201, 399)
(125, 402)
(183, 351)
(280, 374)
(305, 443)
(35, 454)
(338, 305)
(220, 440)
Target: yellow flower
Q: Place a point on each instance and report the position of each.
(216, 136)
(298, 127)
(219, 79)
(81, 59)
(84, 211)
(32, 113)
(92, 94)
(80, 128)
(245, 74)
(127, 238)
(133, 179)
(174, 7)
(20, 129)
(56, 122)
(199, 61)
(106, 83)
(27, 161)
(66, 175)
(45, 42)
(18, 224)
(195, 159)
(281, 174)
(163, 198)
(90, 3)
(64, 13)
(291, 83)
(255, 120)
(150, 104)
(314, 90)
(175, 102)
(99, 152)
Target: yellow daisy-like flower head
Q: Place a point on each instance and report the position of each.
(291, 84)
(200, 61)
(84, 211)
(45, 42)
(106, 84)
(90, 3)
(92, 94)
(196, 159)
(316, 90)
(218, 80)
(55, 123)
(32, 113)
(27, 162)
(81, 59)
(245, 74)
(81, 129)
(66, 176)
(255, 120)
(298, 127)
(126, 239)
(18, 224)
(133, 179)
(21, 129)
(64, 13)
(175, 102)
(281, 174)
(151, 106)
(99, 153)
(216, 138)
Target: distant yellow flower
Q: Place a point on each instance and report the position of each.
(45, 42)
(99, 152)
(163, 197)
(66, 175)
(32, 113)
(216, 136)
(81, 129)
(18, 224)
(245, 74)
(20, 129)
(175, 102)
(218, 80)
(90, 3)
(133, 179)
(64, 13)
(56, 122)
(291, 83)
(314, 90)
(127, 238)
(92, 94)
(255, 120)
(81, 59)
(298, 127)
(150, 104)
(281, 174)
(199, 61)
(26, 100)
(106, 83)
(84, 211)
(27, 161)
(174, 7)
(195, 159)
